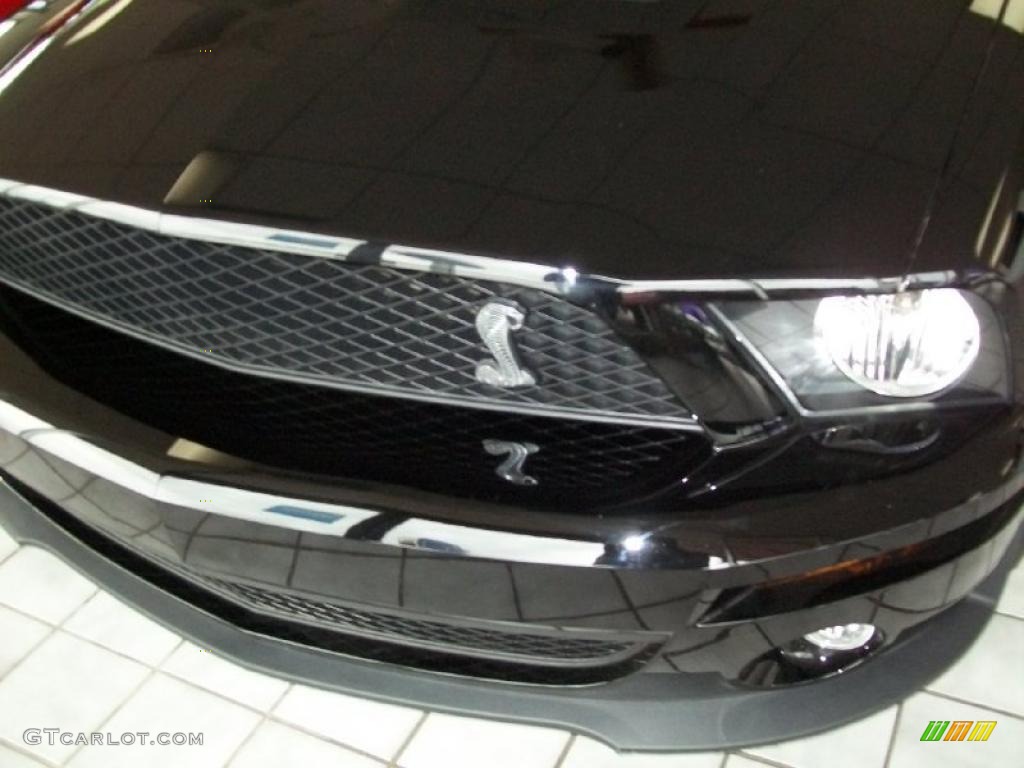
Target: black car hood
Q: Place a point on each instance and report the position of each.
(628, 138)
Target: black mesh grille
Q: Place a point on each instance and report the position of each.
(363, 326)
(581, 466)
(451, 637)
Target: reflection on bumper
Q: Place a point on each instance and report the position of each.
(295, 514)
(377, 576)
(640, 712)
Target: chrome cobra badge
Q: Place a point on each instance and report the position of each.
(495, 322)
(511, 468)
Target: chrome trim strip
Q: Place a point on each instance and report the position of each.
(325, 519)
(557, 280)
(410, 258)
(777, 379)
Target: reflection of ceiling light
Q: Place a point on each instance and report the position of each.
(15, 70)
(37, 5)
(1013, 16)
(6, 26)
(635, 543)
(99, 22)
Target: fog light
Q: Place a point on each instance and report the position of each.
(906, 344)
(827, 651)
(842, 637)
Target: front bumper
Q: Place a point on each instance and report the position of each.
(658, 657)
(641, 712)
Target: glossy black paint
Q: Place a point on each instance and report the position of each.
(637, 140)
(628, 139)
(708, 616)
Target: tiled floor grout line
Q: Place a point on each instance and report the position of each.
(10, 554)
(958, 700)
(275, 718)
(565, 750)
(759, 759)
(725, 759)
(248, 737)
(20, 749)
(20, 612)
(323, 737)
(99, 727)
(61, 628)
(892, 734)
(259, 723)
(129, 697)
(270, 715)
(79, 608)
(1008, 615)
(33, 649)
(185, 681)
(171, 652)
(393, 762)
(114, 651)
(267, 714)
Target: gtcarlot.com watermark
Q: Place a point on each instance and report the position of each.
(52, 736)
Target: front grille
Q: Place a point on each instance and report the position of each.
(363, 327)
(510, 642)
(581, 466)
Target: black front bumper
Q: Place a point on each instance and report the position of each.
(639, 712)
(652, 655)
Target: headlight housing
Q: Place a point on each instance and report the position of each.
(838, 353)
(907, 344)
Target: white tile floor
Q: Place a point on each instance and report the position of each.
(72, 656)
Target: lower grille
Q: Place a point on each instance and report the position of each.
(580, 466)
(495, 651)
(511, 643)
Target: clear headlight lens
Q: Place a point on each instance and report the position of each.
(848, 352)
(900, 345)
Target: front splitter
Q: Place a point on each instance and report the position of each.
(644, 712)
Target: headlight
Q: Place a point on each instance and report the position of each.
(901, 345)
(850, 352)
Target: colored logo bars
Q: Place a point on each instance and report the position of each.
(958, 730)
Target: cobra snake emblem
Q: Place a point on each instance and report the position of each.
(511, 468)
(495, 323)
